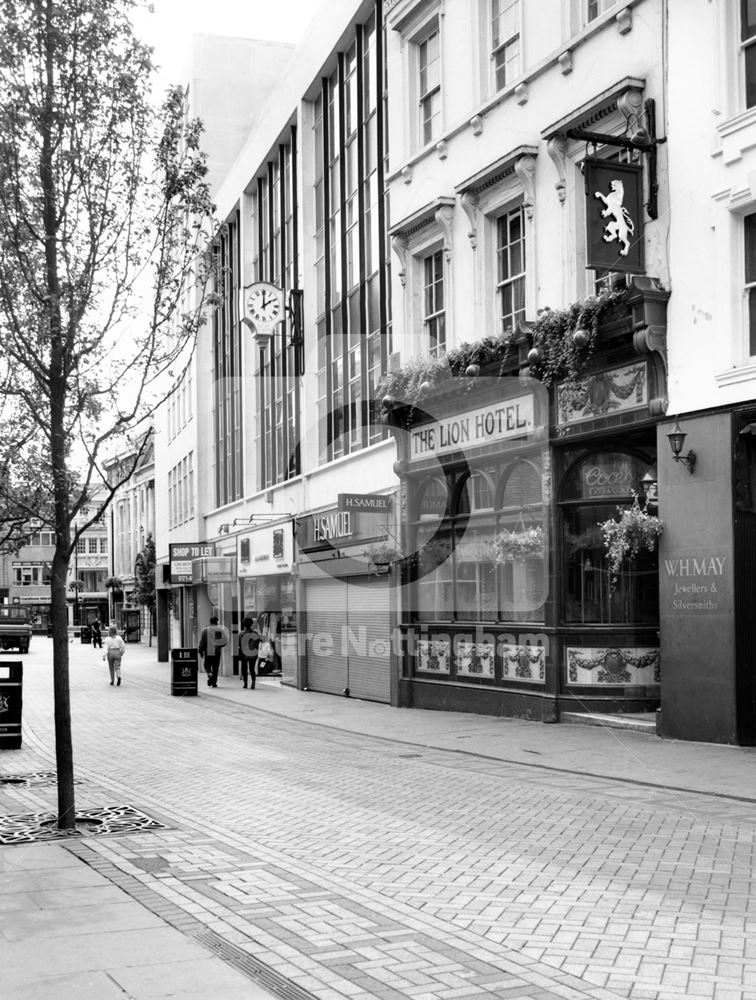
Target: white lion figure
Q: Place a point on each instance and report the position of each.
(620, 227)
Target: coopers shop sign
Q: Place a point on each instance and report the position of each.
(487, 425)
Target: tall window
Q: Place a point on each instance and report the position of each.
(749, 226)
(748, 46)
(227, 369)
(351, 269)
(456, 526)
(429, 80)
(510, 254)
(505, 41)
(278, 425)
(594, 8)
(434, 315)
(593, 491)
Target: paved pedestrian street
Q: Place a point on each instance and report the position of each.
(331, 863)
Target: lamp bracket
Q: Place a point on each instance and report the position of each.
(689, 460)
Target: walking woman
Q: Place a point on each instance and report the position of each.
(114, 650)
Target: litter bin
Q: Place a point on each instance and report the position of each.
(86, 634)
(11, 676)
(184, 664)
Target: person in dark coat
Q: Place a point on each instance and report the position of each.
(249, 645)
(212, 640)
(96, 634)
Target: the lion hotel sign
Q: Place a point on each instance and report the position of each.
(614, 216)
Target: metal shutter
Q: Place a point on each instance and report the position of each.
(326, 603)
(368, 639)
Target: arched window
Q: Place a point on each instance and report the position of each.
(458, 577)
(523, 581)
(593, 490)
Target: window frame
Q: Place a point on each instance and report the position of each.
(749, 288)
(465, 522)
(429, 126)
(434, 318)
(503, 285)
(497, 48)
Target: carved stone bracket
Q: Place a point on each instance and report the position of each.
(399, 246)
(565, 62)
(469, 202)
(556, 147)
(444, 217)
(525, 170)
(648, 303)
(476, 123)
(624, 21)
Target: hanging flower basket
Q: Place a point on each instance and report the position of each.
(634, 531)
(513, 546)
(381, 554)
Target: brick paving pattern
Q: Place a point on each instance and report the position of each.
(351, 867)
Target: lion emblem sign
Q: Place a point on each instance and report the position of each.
(620, 226)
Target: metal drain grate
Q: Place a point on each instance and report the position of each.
(253, 968)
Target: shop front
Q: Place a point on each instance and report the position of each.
(182, 602)
(346, 600)
(512, 604)
(265, 560)
(214, 593)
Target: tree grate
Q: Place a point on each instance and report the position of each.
(253, 968)
(36, 779)
(33, 827)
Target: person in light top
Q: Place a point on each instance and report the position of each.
(114, 650)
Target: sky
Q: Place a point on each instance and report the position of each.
(173, 22)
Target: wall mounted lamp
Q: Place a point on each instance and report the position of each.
(224, 529)
(650, 486)
(676, 441)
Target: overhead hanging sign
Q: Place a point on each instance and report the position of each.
(614, 216)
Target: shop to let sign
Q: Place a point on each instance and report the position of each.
(487, 425)
(181, 556)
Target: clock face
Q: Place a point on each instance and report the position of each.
(264, 304)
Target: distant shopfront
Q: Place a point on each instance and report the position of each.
(265, 560)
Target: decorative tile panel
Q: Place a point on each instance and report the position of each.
(606, 393)
(433, 655)
(626, 666)
(474, 659)
(523, 663)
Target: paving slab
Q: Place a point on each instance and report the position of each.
(357, 850)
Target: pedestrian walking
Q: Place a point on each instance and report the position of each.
(114, 650)
(96, 634)
(249, 645)
(212, 640)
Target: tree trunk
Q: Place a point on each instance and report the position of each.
(60, 348)
(63, 740)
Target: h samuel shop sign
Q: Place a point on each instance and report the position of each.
(486, 425)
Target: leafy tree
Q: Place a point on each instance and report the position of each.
(145, 578)
(104, 228)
